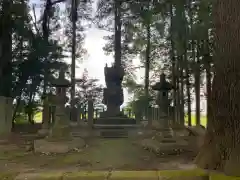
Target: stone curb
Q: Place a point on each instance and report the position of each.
(115, 175)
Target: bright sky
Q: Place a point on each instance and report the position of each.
(93, 43)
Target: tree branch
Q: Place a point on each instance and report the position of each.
(56, 2)
(35, 19)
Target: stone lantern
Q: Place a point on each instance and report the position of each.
(59, 139)
(61, 118)
(163, 87)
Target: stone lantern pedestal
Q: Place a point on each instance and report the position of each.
(46, 120)
(6, 107)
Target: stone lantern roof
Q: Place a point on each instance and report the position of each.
(61, 81)
(163, 85)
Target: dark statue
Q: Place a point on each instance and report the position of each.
(113, 93)
(113, 98)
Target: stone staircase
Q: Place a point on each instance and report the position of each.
(114, 133)
(106, 131)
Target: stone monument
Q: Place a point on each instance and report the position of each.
(113, 94)
(6, 106)
(49, 114)
(90, 112)
(113, 97)
(59, 139)
(163, 87)
(61, 117)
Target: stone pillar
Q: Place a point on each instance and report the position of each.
(78, 114)
(163, 103)
(90, 112)
(6, 115)
(45, 114)
(61, 126)
(53, 114)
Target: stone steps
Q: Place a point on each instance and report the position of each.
(115, 126)
(105, 133)
(114, 133)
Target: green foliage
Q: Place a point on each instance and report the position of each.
(88, 88)
(37, 52)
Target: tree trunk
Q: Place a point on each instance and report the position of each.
(189, 102)
(6, 50)
(147, 62)
(30, 117)
(172, 55)
(118, 34)
(178, 95)
(190, 14)
(208, 61)
(221, 149)
(45, 30)
(181, 91)
(147, 68)
(73, 65)
(197, 87)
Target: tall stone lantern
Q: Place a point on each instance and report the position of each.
(59, 139)
(163, 87)
(61, 124)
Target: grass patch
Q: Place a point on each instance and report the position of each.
(38, 117)
(171, 175)
(8, 175)
(203, 120)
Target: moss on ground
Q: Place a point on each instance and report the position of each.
(203, 120)
(121, 175)
(8, 175)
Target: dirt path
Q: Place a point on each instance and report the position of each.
(116, 154)
(101, 154)
(105, 155)
(120, 154)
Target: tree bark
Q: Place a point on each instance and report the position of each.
(118, 33)
(208, 85)
(181, 91)
(147, 61)
(6, 50)
(45, 29)
(208, 62)
(147, 67)
(189, 101)
(173, 59)
(197, 86)
(73, 65)
(221, 149)
(178, 94)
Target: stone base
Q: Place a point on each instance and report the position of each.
(114, 133)
(167, 133)
(46, 146)
(177, 126)
(114, 120)
(6, 115)
(43, 132)
(196, 131)
(169, 148)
